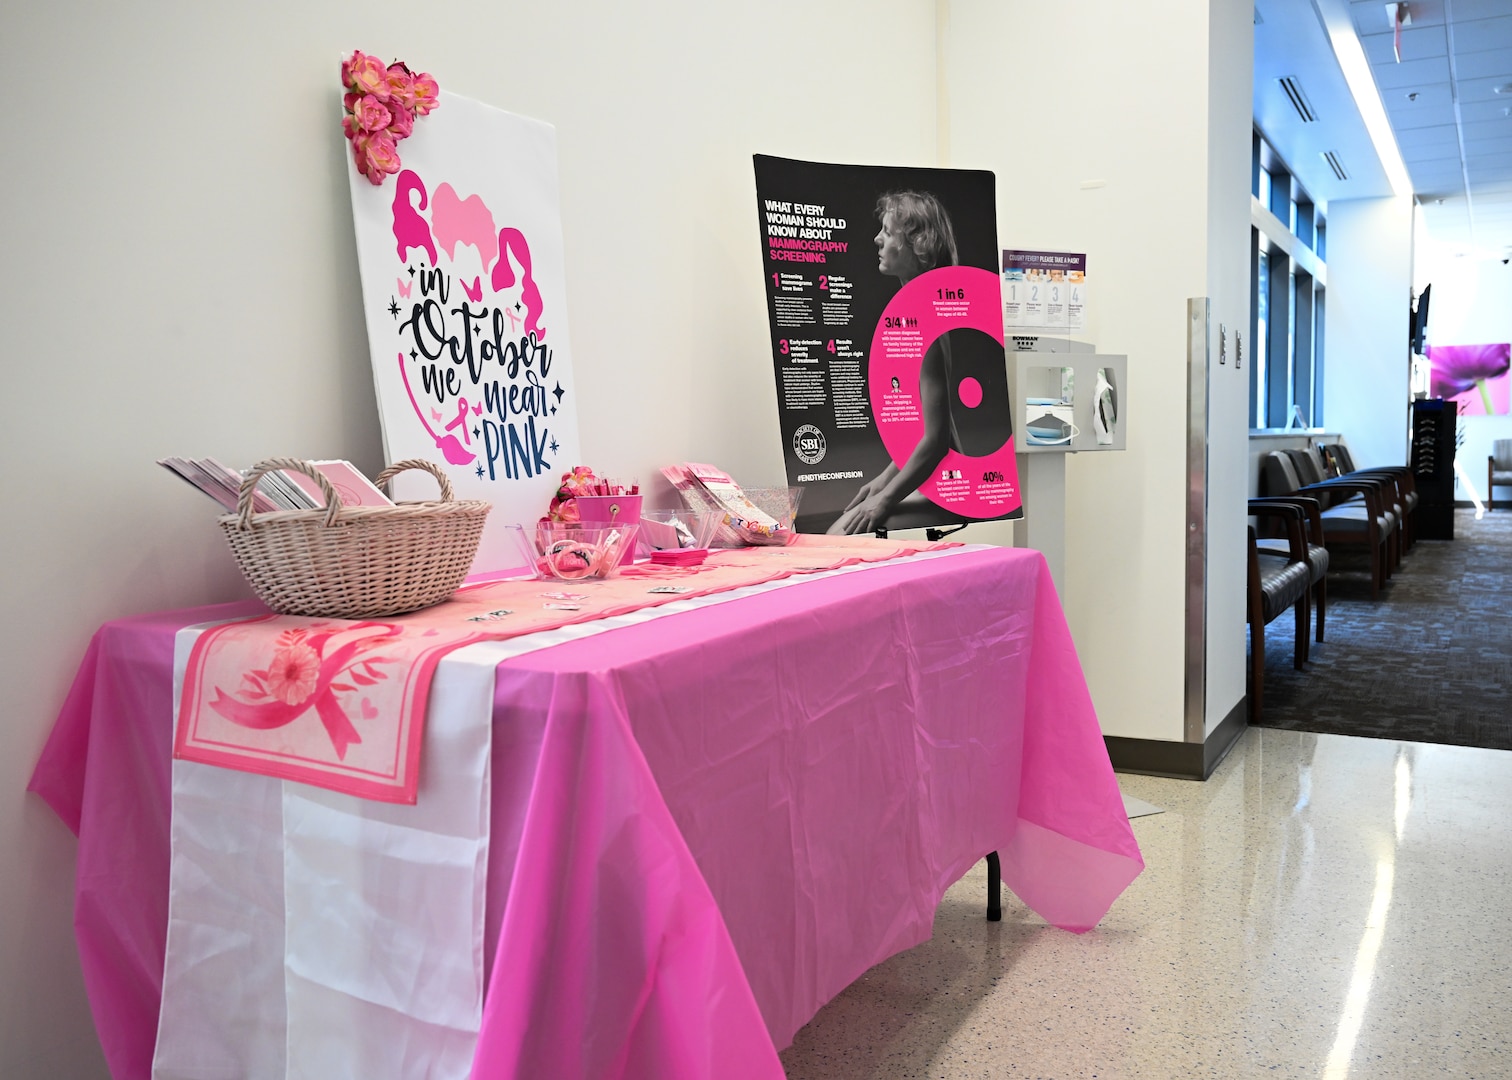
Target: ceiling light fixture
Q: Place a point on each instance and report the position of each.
(1362, 87)
(1504, 88)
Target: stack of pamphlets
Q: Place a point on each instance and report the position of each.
(705, 487)
(351, 486)
(285, 489)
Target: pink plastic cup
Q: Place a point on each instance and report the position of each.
(611, 510)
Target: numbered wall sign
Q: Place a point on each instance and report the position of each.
(1045, 292)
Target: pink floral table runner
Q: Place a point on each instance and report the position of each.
(340, 704)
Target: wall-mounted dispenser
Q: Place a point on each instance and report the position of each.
(1068, 401)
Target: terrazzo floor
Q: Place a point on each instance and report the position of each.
(1324, 906)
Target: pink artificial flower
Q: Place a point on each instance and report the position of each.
(366, 75)
(580, 481)
(402, 121)
(427, 93)
(381, 106)
(294, 673)
(371, 115)
(376, 155)
(401, 84)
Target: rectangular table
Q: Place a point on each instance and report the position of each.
(703, 827)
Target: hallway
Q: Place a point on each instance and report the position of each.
(1431, 661)
(1324, 905)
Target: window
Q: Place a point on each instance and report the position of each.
(1286, 297)
(1258, 336)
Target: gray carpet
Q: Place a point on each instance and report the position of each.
(1431, 661)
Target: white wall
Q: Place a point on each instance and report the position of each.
(1098, 149)
(1230, 60)
(1471, 304)
(181, 280)
(1365, 365)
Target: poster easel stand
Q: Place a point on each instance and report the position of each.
(932, 533)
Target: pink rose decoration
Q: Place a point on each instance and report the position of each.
(371, 114)
(376, 155)
(366, 75)
(381, 105)
(427, 93)
(401, 85)
(564, 508)
(294, 673)
(402, 121)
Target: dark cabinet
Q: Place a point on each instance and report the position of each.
(1433, 446)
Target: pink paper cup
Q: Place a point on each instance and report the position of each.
(611, 510)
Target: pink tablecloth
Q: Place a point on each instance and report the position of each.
(800, 773)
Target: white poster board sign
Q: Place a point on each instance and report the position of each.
(465, 299)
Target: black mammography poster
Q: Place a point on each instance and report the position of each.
(884, 304)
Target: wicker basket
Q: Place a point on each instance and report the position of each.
(354, 562)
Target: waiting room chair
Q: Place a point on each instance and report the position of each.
(1498, 470)
(1311, 470)
(1360, 520)
(1338, 461)
(1276, 582)
(1317, 552)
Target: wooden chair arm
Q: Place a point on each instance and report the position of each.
(1293, 515)
(1312, 511)
(1371, 491)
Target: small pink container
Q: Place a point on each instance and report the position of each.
(611, 510)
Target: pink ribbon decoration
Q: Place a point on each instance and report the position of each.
(276, 714)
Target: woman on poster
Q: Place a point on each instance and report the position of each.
(916, 236)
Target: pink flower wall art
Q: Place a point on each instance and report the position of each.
(1474, 376)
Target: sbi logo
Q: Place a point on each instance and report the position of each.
(809, 444)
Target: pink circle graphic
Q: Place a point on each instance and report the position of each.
(932, 304)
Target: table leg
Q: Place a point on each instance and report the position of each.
(994, 888)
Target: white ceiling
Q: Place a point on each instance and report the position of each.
(1290, 42)
(1455, 134)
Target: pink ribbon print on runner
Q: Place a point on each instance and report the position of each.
(335, 703)
(340, 704)
(300, 675)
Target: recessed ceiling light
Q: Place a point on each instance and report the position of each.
(1504, 88)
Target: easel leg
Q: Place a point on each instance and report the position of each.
(994, 888)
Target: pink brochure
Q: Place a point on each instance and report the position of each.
(354, 488)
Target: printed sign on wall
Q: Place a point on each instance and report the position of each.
(464, 294)
(1045, 292)
(887, 342)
